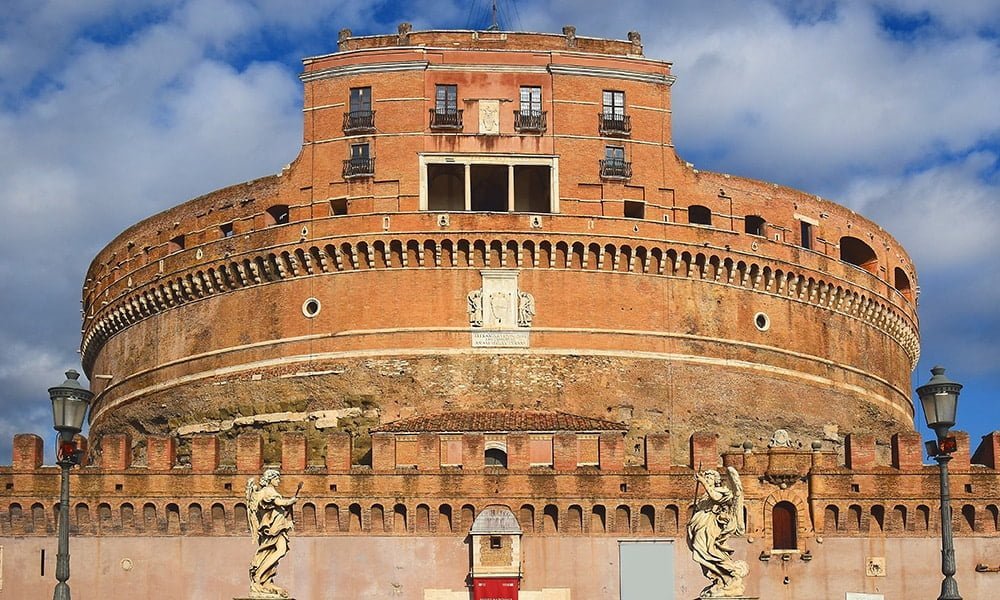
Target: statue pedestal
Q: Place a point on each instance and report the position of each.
(261, 598)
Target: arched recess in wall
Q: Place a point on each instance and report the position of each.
(784, 526)
(902, 283)
(699, 215)
(858, 253)
(276, 215)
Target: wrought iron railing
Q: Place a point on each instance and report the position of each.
(448, 119)
(614, 124)
(359, 167)
(359, 121)
(529, 120)
(615, 168)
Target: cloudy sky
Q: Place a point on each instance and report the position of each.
(113, 110)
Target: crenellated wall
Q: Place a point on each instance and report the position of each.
(204, 496)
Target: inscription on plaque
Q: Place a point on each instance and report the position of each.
(499, 339)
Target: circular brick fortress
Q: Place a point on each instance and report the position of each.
(500, 220)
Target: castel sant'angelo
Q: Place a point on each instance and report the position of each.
(489, 282)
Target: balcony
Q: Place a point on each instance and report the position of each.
(614, 125)
(612, 168)
(447, 120)
(359, 121)
(359, 167)
(529, 121)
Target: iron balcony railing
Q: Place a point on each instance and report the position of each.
(448, 119)
(359, 167)
(359, 121)
(615, 168)
(614, 125)
(529, 120)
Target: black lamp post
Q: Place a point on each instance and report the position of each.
(939, 398)
(69, 407)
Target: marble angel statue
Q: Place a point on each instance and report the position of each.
(718, 516)
(270, 518)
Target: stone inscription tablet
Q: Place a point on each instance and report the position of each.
(499, 339)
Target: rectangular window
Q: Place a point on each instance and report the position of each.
(359, 151)
(806, 235)
(614, 104)
(446, 99)
(531, 100)
(614, 154)
(226, 229)
(361, 99)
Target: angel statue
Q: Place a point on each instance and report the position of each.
(718, 515)
(270, 517)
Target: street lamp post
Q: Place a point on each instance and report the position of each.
(69, 407)
(939, 399)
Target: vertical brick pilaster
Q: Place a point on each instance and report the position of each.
(657, 452)
(249, 452)
(907, 450)
(338, 451)
(859, 451)
(961, 460)
(383, 452)
(564, 451)
(473, 452)
(611, 451)
(428, 452)
(517, 451)
(204, 453)
(161, 453)
(116, 452)
(293, 451)
(704, 453)
(28, 452)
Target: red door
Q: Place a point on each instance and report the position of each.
(495, 588)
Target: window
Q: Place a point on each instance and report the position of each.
(858, 253)
(614, 165)
(496, 457)
(613, 120)
(360, 116)
(783, 526)
(635, 210)
(699, 215)
(530, 116)
(276, 215)
(754, 225)
(614, 104)
(445, 114)
(806, 235)
(361, 99)
(495, 542)
(360, 164)
(176, 244)
(226, 229)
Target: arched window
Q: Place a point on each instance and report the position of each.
(783, 526)
(858, 253)
(754, 225)
(276, 215)
(496, 457)
(969, 516)
(878, 516)
(902, 283)
(699, 215)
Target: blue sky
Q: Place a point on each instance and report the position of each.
(113, 110)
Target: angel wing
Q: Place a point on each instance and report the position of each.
(737, 506)
(253, 502)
